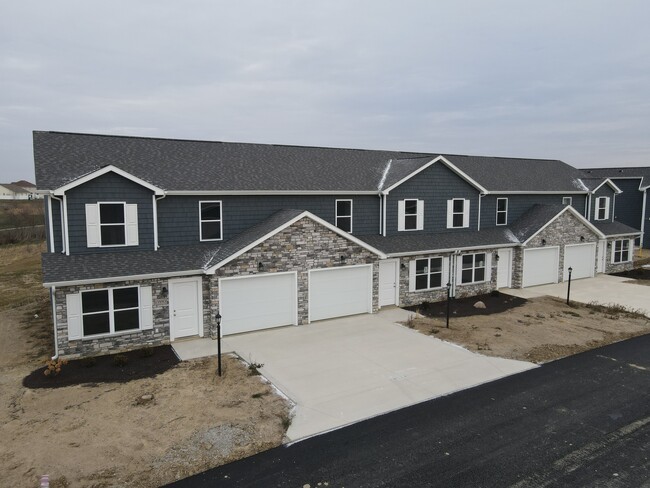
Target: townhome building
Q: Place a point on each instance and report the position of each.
(148, 239)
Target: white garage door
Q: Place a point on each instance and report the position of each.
(257, 302)
(581, 258)
(336, 292)
(540, 266)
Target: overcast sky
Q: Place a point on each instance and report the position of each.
(551, 79)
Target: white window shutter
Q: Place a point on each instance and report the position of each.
(606, 208)
(459, 269)
(73, 306)
(450, 214)
(146, 308)
(466, 214)
(445, 271)
(412, 275)
(631, 250)
(420, 223)
(92, 225)
(400, 215)
(131, 224)
(488, 266)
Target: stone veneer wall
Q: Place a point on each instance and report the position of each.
(96, 346)
(566, 229)
(300, 247)
(617, 267)
(408, 298)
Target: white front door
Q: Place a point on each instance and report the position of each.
(388, 282)
(337, 292)
(602, 252)
(581, 258)
(185, 308)
(504, 268)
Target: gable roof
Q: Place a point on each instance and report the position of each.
(614, 172)
(14, 188)
(24, 184)
(538, 217)
(593, 184)
(187, 166)
(613, 229)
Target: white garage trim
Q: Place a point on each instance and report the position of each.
(531, 274)
(229, 307)
(363, 304)
(583, 264)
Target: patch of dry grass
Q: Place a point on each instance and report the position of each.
(20, 275)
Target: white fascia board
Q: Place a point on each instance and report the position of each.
(611, 184)
(568, 208)
(213, 268)
(270, 192)
(125, 278)
(573, 192)
(452, 249)
(623, 235)
(447, 163)
(106, 169)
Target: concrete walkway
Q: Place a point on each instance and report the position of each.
(344, 370)
(604, 289)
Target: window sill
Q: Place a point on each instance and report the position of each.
(211, 240)
(108, 335)
(472, 283)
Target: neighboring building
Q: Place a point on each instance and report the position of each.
(149, 238)
(10, 191)
(632, 204)
(30, 187)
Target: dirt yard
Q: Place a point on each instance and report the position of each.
(536, 330)
(107, 434)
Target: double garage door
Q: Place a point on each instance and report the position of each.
(271, 300)
(541, 264)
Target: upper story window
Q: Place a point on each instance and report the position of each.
(602, 208)
(343, 216)
(210, 221)
(502, 211)
(567, 200)
(457, 213)
(410, 215)
(621, 251)
(110, 311)
(428, 273)
(111, 224)
(473, 268)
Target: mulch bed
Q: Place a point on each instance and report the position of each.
(112, 368)
(464, 307)
(637, 274)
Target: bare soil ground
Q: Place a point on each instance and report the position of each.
(107, 434)
(539, 330)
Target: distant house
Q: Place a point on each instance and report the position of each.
(30, 187)
(11, 191)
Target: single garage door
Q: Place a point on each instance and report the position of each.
(336, 292)
(257, 302)
(581, 258)
(540, 266)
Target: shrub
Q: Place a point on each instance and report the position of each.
(89, 362)
(253, 369)
(147, 352)
(120, 360)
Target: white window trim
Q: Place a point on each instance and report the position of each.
(100, 225)
(201, 202)
(451, 213)
(605, 208)
(111, 313)
(501, 211)
(401, 217)
(444, 273)
(487, 274)
(630, 246)
(336, 212)
(567, 200)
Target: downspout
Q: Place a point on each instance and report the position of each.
(645, 194)
(613, 206)
(589, 207)
(384, 220)
(65, 226)
(155, 220)
(62, 224)
(380, 212)
(56, 334)
(50, 224)
(480, 197)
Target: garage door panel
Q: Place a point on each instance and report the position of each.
(540, 266)
(256, 303)
(582, 260)
(340, 291)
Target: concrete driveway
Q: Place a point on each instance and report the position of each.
(344, 370)
(604, 289)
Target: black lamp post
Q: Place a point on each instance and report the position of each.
(568, 290)
(448, 300)
(218, 319)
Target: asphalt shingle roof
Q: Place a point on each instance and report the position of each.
(534, 219)
(642, 172)
(184, 165)
(615, 228)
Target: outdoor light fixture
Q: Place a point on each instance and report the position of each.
(543, 242)
(342, 259)
(497, 257)
(163, 292)
(260, 266)
(582, 238)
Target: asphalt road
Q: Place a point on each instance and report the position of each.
(583, 421)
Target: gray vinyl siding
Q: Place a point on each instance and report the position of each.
(108, 188)
(629, 204)
(178, 216)
(56, 224)
(435, 185)
(603, 191)
(519, 204)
